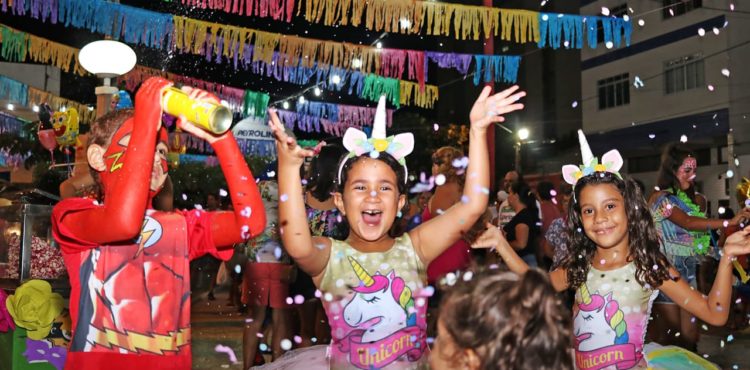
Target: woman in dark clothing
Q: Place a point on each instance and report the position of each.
(523, 229)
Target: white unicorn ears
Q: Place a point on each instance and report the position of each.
(611, 162)
(357, 143)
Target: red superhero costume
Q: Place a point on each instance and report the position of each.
(129, 264)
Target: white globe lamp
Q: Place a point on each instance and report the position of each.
(106, 59)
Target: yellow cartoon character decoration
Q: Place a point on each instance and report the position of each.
(65, 125)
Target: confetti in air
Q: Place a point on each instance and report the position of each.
(725, 72)
(638, 83)
(701, 32)
(641, 22)
(284, 197)
(651, 136)
(605, 11)
(222, 193)
(286, 344)
(228, 350)
(440, 179)
(575, 104)
(683, 139)
(435, 126)
(730, 174)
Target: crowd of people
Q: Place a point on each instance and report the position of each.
(353, 270)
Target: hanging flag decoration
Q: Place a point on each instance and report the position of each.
(21, 47)
(496, 68)
(14, 91)
(279, 10)
(256, 104)
(86, 114)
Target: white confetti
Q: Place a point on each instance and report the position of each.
(184, 197)
(468, 275)
(651, 136)
(683, 139)
(198, 207)
(223, 193)
(730, 174)
(575, 103)
(299, 299)
(641, 22)
(289, 300)
(701, 32)
(435, 126)
(716, 31)
(730, 338)
(711, 87)
(725, 72)
(286, 344)
(284, 197)
(605, 11)
(237, 269)
(440, 179)
(638, 83)
(722, 210)
(246, 212)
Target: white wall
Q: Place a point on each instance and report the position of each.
(42, 77)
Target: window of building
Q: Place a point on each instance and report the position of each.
(644, 164)
(673, 8)
(684, 73)
(614, 91)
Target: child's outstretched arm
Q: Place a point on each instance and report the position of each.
(713, 309)
(494, 238)
(294, 227)
(248, 218)
(433, 237)
(126, 201)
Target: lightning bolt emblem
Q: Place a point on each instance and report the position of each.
(145, 236)
(116, 164)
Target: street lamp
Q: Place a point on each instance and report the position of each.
(106, 59)
(522, 134)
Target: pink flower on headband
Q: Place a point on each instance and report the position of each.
(611, 162)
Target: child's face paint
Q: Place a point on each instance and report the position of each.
(115, 155)
(686, 172)
(604, 217)
(371, 199)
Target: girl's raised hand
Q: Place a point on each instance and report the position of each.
(288, 151)
(491, 238)
(738, 244)
(489, 109)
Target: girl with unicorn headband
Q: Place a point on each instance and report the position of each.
(617, 269)
(373, 283)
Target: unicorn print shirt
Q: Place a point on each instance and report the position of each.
(376, 305)
(611, 312)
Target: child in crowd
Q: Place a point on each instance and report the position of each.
(373, 282)
(499, 320)
(617, 269)
(129, 264)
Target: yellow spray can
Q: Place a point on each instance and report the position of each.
(211, 117)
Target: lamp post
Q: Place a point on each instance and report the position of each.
(106, 59)
(523, 134)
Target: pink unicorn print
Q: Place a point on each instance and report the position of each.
(385, 321)
(601, 333)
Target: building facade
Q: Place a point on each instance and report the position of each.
(683, 77)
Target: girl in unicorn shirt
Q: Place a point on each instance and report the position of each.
(373, 284)
(617, 269)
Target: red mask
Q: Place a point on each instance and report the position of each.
(114, 156)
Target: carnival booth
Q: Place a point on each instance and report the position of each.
(34, 325)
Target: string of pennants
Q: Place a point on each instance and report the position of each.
(465, 22)
(195, 36)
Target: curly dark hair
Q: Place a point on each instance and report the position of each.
(509, 321)
(322, 174)
(671, 160)
(642, 235)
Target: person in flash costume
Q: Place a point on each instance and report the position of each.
(128, 263)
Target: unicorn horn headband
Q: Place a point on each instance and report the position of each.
(611, 162)
(357, 143)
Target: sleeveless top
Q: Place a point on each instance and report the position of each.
(611, 313)
(376, 305)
